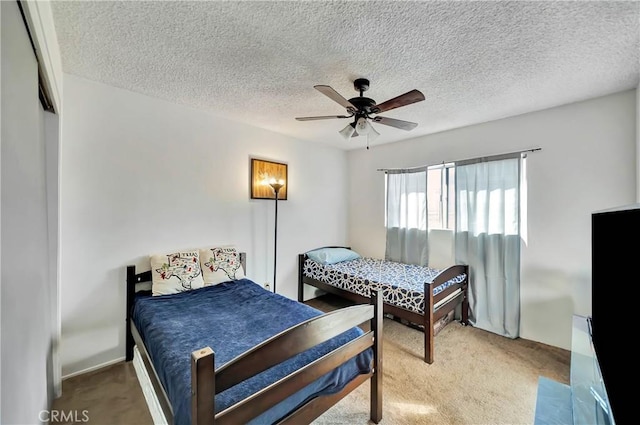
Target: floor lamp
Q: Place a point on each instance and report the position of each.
(276, 185)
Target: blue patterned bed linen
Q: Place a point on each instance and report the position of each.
(231, 318)
(402, 284)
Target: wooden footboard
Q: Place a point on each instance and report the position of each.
(438, 306)
(207, 382)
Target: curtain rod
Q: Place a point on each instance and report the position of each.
(424, 167)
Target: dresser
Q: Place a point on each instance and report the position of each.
(584, 400)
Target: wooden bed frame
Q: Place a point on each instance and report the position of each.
(206, 382)
(424, 321)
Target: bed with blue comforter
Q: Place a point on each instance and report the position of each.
(231, 318)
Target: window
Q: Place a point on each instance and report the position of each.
(441, 196)
(405, 199)
(441, 199)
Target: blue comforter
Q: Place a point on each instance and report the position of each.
(231, 318)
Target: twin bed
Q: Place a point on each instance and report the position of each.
(236, 353)
(405, 288)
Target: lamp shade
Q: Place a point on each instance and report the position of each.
(276, 185)
(373, 134)
(362, 126)
(348, 131)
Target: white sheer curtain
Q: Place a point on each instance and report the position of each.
(488, 240)
(407, 216)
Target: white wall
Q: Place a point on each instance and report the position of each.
(587, 163)
(26, 306)
(140, 175)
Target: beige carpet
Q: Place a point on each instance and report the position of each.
(477, 378)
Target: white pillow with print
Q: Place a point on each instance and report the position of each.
(220, 264)
(175, 272)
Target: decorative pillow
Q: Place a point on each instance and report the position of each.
(220, 264)
(332, 255)
(175, 272)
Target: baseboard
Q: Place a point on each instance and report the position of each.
(93, 368)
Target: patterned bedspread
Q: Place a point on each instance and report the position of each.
(402, 285)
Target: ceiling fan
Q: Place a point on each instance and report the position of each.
(364, 110)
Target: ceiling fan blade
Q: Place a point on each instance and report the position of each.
(404, 99)
(404, 125)
(334, 95)
(323, 117)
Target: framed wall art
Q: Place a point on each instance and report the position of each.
(265, 174)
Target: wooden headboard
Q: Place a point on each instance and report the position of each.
(301, 259)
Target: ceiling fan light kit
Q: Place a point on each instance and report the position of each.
(363, 108)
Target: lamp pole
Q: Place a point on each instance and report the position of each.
(276, 189)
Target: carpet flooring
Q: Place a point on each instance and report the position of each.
(477, 378)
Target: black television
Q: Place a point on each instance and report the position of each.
(615, 252)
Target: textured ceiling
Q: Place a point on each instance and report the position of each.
(257, 62)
